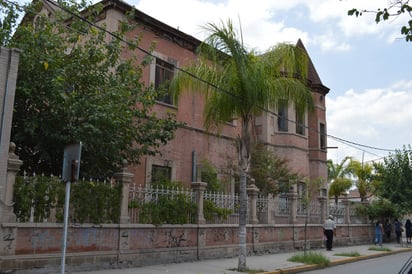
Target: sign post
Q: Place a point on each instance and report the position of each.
(71, 169)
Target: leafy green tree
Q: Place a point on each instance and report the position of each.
(395, 176)
(339, 177)
(9, 15)
(270, 172)
(239, 84)
(395, 8)
(379, 209)
(73, 86)
(209, 176)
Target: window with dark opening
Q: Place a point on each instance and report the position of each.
(164, 73)
(300, 123)
(322, 132)
(161, 174)
(283, 117)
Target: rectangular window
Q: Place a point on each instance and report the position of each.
(161, 174)
(300, 123)
(283, 117)
(163, 75)
(322, 133)
(301, 189)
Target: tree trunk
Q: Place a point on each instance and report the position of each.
(244, 160)
(242, 221)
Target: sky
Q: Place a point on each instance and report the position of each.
(366, 66)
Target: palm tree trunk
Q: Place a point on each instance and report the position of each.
(244, 160)
(242, 221)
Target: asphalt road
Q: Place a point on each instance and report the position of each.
(382, 265)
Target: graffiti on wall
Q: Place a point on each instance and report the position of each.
(8, 238)
(174, 239)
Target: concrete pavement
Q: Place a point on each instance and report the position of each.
(268, 264)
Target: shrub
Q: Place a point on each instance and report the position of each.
(37, 193)
(168, 206)
(89, 201)
(311, 258)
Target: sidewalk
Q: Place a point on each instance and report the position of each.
(268, 264)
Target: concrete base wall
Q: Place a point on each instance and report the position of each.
(29, 246)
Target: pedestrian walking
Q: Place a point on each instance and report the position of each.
(408, 231)
(398, 231)
(388, 230)
(378, 233)
(329, 230)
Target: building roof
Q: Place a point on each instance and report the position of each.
(313, 75)
(165, 31)
(189, 42)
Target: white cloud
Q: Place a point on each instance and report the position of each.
(328, 42)
(377, 118)
(263, 23)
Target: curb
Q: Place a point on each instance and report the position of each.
(302, 268)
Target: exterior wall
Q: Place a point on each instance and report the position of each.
(39, 245)
(317, 154)
(172, 44)
(177, 154)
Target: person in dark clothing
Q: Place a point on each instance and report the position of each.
(408, 231)
(388, 230)
(398, 230)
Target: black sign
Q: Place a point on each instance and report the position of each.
(71, 162)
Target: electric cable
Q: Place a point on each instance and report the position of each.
(114, 35)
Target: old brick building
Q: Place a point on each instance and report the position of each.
(300, 140)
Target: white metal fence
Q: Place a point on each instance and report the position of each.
(268, 207)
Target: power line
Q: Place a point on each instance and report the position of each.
(350, 143)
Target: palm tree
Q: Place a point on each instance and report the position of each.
(240, 84)
(338, 177)
(364, 174)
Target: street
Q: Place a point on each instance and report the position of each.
(382, 265)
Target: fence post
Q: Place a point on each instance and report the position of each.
(199, 188)
(323, 199)
(124, 178)
(293, 200)
(252, 192)
(346, 203)
(13, 166)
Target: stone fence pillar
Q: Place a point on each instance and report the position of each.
(323, 200)
(124, 178)
(6, 206)
(199, 188)
(346, 213)
(9, 234)
(293, 205)
(252, 192)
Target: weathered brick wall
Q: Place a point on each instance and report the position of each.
(39, 245)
